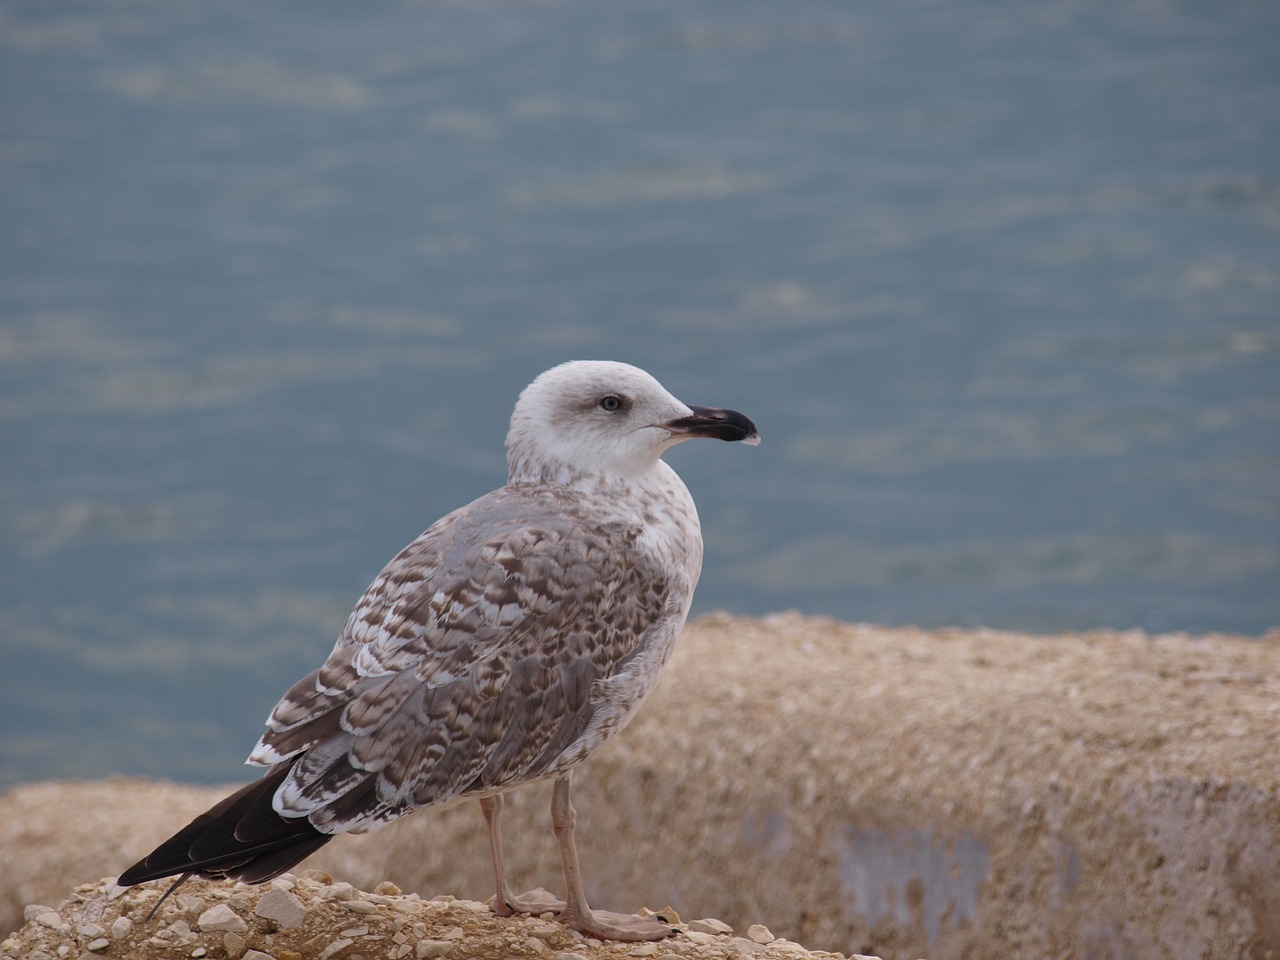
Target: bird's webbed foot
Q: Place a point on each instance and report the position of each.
(607, 925)
(532, 902)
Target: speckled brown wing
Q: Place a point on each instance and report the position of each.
(469, 664)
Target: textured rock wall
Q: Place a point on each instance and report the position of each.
(868, 790)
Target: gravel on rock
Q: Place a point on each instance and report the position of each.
(310, 916)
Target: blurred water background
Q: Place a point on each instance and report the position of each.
(998, 281)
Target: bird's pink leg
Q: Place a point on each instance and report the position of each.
(506, 903)
(601, 924)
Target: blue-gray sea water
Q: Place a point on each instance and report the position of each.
(1000, 283)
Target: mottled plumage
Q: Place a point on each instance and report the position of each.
(501, 647)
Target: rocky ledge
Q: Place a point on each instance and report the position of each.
(872, 790)
(311, 917)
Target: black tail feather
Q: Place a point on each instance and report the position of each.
(241, 838)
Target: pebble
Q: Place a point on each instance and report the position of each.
(282, 907)
(101, 943)
(120, 928)
(700, 938)
(788, 946)
(338, 891)
(33, 910)
(360, 906)
(259, 955)
(432, 948)
(234, 944)
(710, 925)
(335, 947)
(221, 917)
(760, 933)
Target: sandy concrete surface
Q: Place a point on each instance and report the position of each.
(866, 790)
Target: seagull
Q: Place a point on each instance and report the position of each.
(502, 647)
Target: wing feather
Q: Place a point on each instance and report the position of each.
(470, 663)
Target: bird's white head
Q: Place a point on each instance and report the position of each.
(602, 418)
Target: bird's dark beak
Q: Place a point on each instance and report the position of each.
(717, 424)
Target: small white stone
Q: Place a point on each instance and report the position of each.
(94, 946)
(50, 919)
(234, 944)
(283, 907)
(432, 948)
(258, 955)
(760, 933)
(33, 910)
(710, 925)
(535, 945)
(328, 951)
(788, 946)
(120, 929)
(198, 952)
(453, 933)
(221, 918)
(90, 930)
(545, 931)
(339, 891)
(362, 907)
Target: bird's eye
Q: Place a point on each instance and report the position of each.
(611, 403)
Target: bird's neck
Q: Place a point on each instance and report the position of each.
(654, 475)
